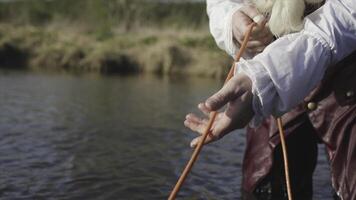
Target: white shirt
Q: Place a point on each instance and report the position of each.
(290, 67)
(220, 21)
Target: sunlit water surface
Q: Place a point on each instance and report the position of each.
(89, 137)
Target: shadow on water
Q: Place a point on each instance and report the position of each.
(94, 137)
(12, 57)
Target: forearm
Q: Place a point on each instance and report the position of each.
(293, 65)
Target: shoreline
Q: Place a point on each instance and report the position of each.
(58, 48)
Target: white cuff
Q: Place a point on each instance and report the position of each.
(261, 85)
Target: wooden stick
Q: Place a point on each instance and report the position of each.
(285, 157)
(198, 148)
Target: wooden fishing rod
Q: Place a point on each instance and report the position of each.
(285, 157)
(212, 117)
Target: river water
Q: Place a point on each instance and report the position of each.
(95, 137)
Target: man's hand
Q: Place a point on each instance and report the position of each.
(237, 95)
(261, 35)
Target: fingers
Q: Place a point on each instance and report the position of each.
(210, 138)
(233, 91)
(254, 44)
(253, 14)
(257, 46)
(202, 107)
(229, 92)
(256, 50)
(242, 18)
(198, 125)
(195, 123)
(240, 24)
(193, 118)
(196, 141)
(258, 43)
(219, 99)
(260, 32)
(219, 129)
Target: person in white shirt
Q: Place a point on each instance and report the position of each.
(318, 61)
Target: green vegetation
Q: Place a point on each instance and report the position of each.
(113, 36)
(99, 14)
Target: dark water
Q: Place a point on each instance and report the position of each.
(68, 137)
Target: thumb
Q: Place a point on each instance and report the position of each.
(254, 14)
(223, 96)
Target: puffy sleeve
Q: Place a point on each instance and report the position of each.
(220, 14)
(289, 68)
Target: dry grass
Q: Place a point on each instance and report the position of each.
(145, 51)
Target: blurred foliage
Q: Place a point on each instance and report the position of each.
(105, 14)
(109, 36)
(201, 42)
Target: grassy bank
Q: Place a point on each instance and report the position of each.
(156, 38)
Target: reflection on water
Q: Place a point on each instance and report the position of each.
(68, 137)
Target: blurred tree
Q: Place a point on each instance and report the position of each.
(104, 14)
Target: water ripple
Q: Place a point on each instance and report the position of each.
(66, 137)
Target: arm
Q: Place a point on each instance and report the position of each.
(284, 73)
(220, 14)
(293, 65)
(229, 20)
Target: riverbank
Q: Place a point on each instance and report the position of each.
(110, 37)
(63, 48)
